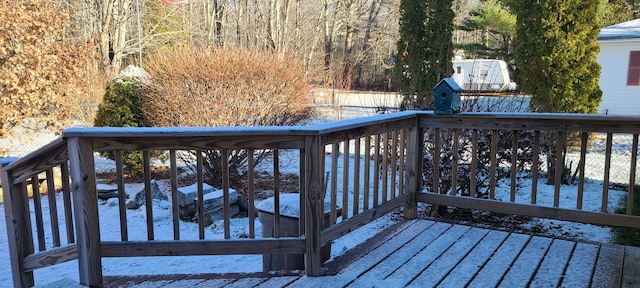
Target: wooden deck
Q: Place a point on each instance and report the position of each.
(425, 253)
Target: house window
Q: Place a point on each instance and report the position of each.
(633, 76)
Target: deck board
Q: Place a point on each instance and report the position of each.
(581, 265)
(608, 270)
(528, 261)
(493, 271)
(631, 268)
(398, 258)
(448, 261)
(551, 270)
(475, 260)
(424, 253)
(406, 273)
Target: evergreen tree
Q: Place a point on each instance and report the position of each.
(556, 50)
(614, 11)
(425, 49)
(498, 27)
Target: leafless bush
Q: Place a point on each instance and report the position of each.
(224, 87)
(483, 156)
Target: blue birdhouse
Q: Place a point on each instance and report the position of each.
(446, 97)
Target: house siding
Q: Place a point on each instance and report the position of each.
(617, 97)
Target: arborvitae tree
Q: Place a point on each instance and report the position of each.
(425, 49)
(556, 50)
(614, 11)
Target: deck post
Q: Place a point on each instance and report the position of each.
(85, 202)
(19, 236)
(413, 172)
(314, 200)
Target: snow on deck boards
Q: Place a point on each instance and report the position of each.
(425, 253)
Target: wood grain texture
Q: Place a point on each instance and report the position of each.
(53, 208)
(19, 236)
(50, 257)
(353, 223)
(596, 218)
(608, 270)
(413, 171)
(122, 195)
(203, 247)
(314, 214)
(532, 121)
(85, 202)
(631, 268)
(48, 156)
(66, 199)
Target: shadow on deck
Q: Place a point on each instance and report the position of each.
(427, 253)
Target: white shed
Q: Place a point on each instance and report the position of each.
(620, 61)
(482, 75)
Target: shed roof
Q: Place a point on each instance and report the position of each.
(624, 30)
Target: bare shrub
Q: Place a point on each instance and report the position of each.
(224, 87)
(40, 68)
(483, 155)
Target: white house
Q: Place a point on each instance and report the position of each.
(620, 61)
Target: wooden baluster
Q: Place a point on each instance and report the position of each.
(607, 173)
(473, 189)
(560, 142)
(356, 177)
(514, 165)
(276, 194)
(335, 150)
(436, 161)
(583, 159)
(200, 187)
(376, 164)
(122, 195)
(367, 173)
(454, 164)
(632, 174)
(534, 167)
(66, 199)
(385, 167)
(251, 192)
(493, 166)
(37, 206)
(53, 207)
(403, 159)
(175, 208)
(148, 200)
(394, 160)
(226, 205)
(345, 179)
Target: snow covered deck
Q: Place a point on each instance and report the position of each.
(425, 253)
(364, 169)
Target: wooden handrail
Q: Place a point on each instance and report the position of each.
(389, 176)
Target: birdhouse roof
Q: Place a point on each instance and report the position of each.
(450, 85)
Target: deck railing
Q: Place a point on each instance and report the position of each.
(374, 165)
